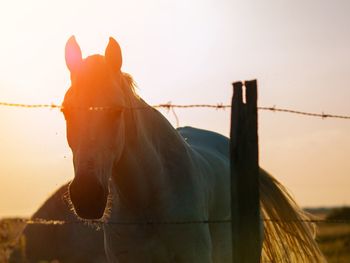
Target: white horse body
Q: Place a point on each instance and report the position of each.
(175, 180)
(191, 184)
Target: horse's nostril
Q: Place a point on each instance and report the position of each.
(89, 198)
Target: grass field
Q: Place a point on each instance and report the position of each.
(334, 240)
(10, 237)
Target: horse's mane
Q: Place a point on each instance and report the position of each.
(130, 84)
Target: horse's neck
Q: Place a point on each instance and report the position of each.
(140, 176)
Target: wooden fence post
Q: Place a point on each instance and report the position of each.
(245, 208)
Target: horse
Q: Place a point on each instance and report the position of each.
(158, 190)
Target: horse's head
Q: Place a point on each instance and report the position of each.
(93, 109)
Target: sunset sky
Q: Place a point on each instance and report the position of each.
(183, 52)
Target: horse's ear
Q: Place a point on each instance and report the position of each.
(113, 55)
(73, 55)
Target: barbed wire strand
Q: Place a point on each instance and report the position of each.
(321, 115)
(170, 106)
(20, 105)
(40, 221)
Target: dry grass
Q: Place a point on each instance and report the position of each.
(10, 237)
(334, 241)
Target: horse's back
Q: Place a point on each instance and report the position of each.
(205, 139)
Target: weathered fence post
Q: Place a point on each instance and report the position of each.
(245, 208)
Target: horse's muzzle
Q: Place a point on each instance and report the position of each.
(88, 196)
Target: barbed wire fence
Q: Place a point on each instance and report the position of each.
(169, 106)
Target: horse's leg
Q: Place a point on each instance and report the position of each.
(130, 243)
(137, 243)
(221, 242)
(170, 244)
(190, 243)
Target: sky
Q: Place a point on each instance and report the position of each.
(185, 52)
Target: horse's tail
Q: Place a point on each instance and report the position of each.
(288, 235)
